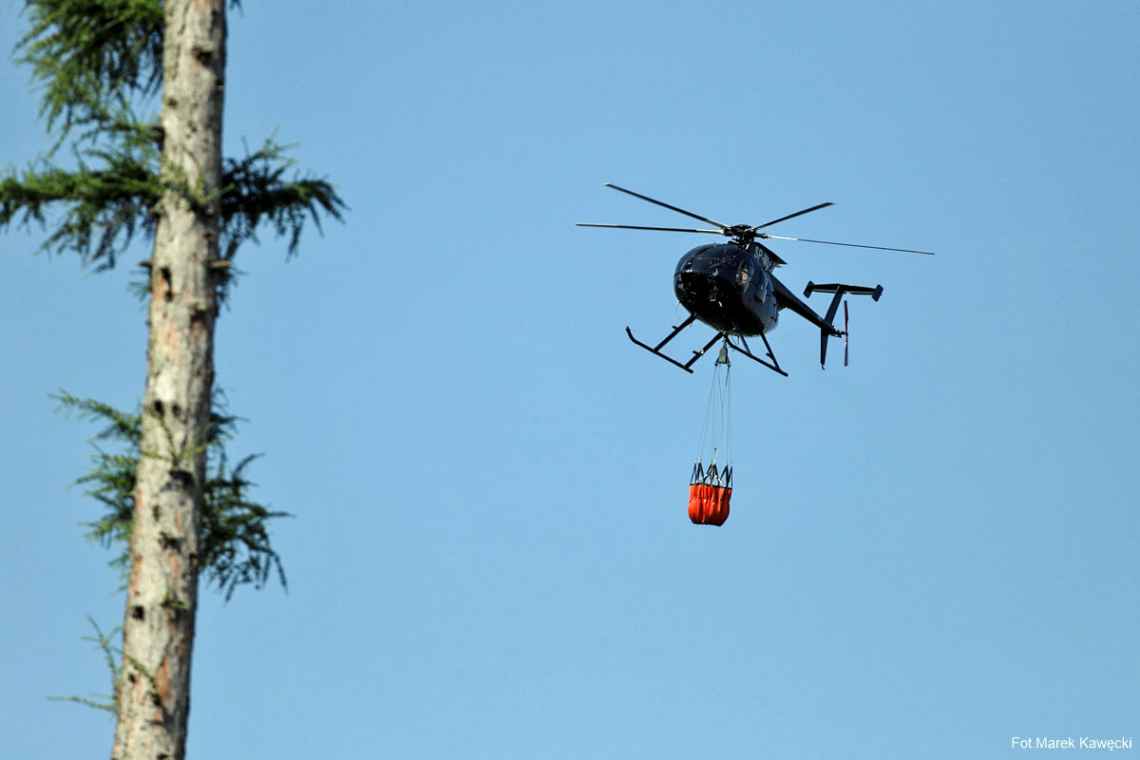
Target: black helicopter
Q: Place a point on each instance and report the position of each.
(731, 288)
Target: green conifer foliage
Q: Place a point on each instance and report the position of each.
(99, 62)
(234, 536)
(91, 54)
(98, 65)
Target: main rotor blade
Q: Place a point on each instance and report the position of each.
(790, 216)
(849, 245)
(658, 229)
(666, 205)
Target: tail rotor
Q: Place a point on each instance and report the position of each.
(827, 330)
(846, 332)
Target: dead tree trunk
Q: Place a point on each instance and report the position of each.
(162, 597)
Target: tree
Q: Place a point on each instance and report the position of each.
(99, 62)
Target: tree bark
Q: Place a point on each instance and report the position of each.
(153, 694)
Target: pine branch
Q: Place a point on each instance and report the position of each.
(234, 541)
(87, 51)
(109, 198)
(95, 58)
(115, 193)
(122, 426)
(104, 642)
(257, 192)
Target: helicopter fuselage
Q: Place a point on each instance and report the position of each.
(728, 287)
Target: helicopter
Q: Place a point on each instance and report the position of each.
(731, 288)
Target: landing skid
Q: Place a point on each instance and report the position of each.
(676, 331)
(773, 365)
(687, 366)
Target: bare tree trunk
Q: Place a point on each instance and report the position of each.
(162, 597)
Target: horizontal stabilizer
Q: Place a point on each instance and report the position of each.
(839, 289)
(835, 287)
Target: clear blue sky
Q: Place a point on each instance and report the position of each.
(929, 552)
